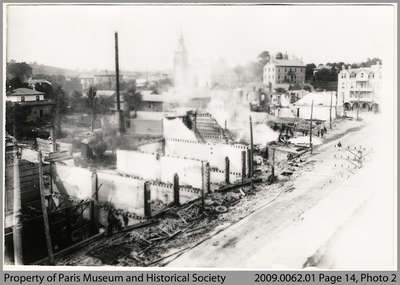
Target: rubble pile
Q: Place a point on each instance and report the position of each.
(176, 229)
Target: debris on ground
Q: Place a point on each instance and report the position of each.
(176, 229)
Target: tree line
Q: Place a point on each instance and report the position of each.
(252, 72)
(66, 93)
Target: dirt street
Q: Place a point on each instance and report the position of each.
(294, 231)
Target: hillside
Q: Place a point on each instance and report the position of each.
(52, 70)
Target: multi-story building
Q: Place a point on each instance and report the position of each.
(27, 110)
(284, 72)
(86, 82)
(103, 81)
(360, 87)
(33, 102)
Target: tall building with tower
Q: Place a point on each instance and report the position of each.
(181, 66)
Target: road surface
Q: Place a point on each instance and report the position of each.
(295, 230)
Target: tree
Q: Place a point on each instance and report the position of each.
(18, 74)
(16, 117)
(325, 74)
(264, 57)
(91, 96)
(310, 71)
(61, 102)
(77, 102)
(103, 104)
(132, 97)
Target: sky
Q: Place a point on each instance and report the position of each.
(82, 37)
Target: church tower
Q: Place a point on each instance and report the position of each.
(180, 64)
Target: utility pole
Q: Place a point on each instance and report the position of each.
(251, 148)
(44, 212)
(57, 121)
(336, 102)
(94, 213)
(176, 189)
(120, 115)
(358, 106)
(311, 119)
(17, 229)
(273, 164)
(202, 187)
(147, 200)
(243, 165)
(227, 170)
(53, 139)
(330, 114)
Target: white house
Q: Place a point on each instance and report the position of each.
(31, 100)
(361, 86)
(25, 95)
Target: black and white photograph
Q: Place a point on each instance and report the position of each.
(234, 136)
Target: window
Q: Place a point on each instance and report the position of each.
(37, 98)
(22, 98)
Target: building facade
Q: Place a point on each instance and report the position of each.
(360, 87)
(284, 72)
(104, 81)
(36, 106)
(86, 82)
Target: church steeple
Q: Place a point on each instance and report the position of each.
(180, 62)
(181, 44)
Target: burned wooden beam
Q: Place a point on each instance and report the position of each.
(72, 248)
(44, 212)
(230, 187)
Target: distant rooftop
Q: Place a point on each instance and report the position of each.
(105, 93)
(288, 62)
(152, 97)
(40, 81)
(318, 99)
(374, 68)
(24, 92)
